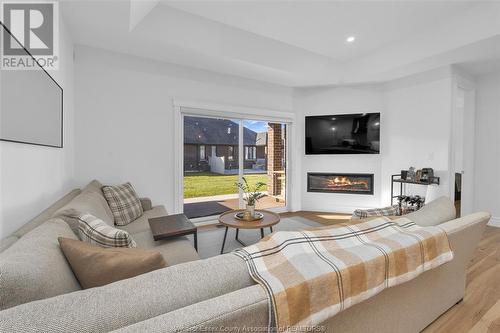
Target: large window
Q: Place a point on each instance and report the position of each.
(216, 157)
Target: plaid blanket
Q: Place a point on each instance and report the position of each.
(310, 276)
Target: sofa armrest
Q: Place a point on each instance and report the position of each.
(469, 221)
(464, 235)
(146, 204)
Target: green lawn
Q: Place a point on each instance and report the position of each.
(205, 184)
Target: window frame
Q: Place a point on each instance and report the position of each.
(198, 108)
(202, 151)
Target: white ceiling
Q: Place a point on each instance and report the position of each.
(321, 26)
(294, 43)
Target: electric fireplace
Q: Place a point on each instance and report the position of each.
(349, 183)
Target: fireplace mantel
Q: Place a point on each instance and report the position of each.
(345, 183)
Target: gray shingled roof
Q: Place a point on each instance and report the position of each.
(212, 131)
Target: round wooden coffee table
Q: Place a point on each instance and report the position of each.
(229, 221)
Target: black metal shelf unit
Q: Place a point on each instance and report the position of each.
(432, 181)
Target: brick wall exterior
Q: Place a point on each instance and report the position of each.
(275, 157)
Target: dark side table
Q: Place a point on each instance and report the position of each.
(165, 227)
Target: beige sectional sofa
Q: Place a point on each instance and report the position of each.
(32, 265)
(217, 294)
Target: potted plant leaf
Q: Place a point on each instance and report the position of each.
(251, 194)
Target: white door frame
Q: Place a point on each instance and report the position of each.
(207, 109)
(468, 85)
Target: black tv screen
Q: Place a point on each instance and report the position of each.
(343, 134)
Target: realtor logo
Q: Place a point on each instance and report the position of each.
(32, 27)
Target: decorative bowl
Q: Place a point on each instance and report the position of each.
(241, 216)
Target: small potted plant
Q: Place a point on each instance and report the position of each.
(251, 195)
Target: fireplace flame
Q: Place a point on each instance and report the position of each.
(342, 181)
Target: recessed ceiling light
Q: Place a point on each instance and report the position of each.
(350, 39)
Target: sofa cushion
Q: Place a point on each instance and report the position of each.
(141, 224)
(244, 308)
(96, 232)
(124, 203)
(95, 266)
(7, 242)
(35, 268)
(146, 204)
(93, 186)
(175, 250)
(91, 201)
(435, 212)
(46, 214)
(129, 301)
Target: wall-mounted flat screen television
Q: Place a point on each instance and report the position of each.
(31, 104)
(343, 134)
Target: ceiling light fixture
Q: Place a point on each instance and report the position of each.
(350, 39)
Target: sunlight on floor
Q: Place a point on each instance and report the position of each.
(331, 216)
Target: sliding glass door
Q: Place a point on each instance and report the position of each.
(211, 165)
(220, 152)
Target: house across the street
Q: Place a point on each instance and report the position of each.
(211, 144)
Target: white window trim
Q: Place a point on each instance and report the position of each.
(250, 153)
(204, 158)
(209, 109)
(214, 110)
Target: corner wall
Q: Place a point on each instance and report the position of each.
(415, 131)
(487, 148)
(338, 100)
(34, 177)
(418, 130)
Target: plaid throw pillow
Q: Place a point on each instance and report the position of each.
(124, 203)
(386, 211)
(95, 231)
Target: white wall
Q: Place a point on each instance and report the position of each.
(487, 150)
(125, 119)
(415, 131)
(340, 100)
(33, 177)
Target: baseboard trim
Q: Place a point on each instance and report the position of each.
(337, 209)
(494, 221)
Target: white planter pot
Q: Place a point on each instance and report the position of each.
(251, 210)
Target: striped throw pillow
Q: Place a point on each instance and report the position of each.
(386, 211)
(95, 231)
(123, 202)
